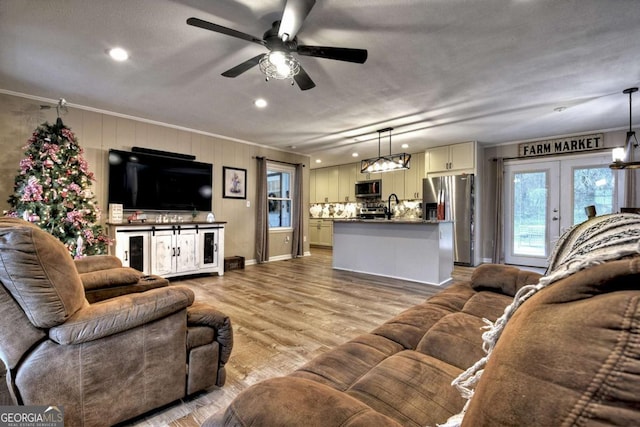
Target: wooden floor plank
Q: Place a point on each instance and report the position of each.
(284, 314)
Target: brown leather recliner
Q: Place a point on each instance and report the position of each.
(104, 362)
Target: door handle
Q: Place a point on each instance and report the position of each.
(555, 218)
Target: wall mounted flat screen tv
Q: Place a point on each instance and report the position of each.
(141, 181)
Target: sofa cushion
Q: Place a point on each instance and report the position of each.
(457, 337)
(39, 273)
(408, 327)
(412, 388)
(569, 356)
(298, 402)
(345, 364)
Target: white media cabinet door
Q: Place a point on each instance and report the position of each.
(209, 248)
(162, 253)
(186, 250)
(132, 249)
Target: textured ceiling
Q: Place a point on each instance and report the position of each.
(438, 71)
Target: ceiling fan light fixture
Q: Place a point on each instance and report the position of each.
(622, 156)
(391, 162)
(279, 65)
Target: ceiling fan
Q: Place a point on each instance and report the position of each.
(281, 41)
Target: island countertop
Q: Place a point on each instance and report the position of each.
(416, 250)
(390, 221)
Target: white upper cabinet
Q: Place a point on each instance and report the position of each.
(347, 175)
(457, 158)
(413, 177)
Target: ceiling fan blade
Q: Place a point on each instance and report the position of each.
(245, 66)
(303, 80)
(295, 12)
(224, 30)
(338, 53)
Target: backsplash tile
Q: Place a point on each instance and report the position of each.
(405, 209)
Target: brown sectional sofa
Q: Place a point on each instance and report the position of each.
(570, 355)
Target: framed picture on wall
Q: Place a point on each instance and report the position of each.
(235, 183)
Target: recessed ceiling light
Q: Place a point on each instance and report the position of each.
(318, 161)
(405, 145)
(260, 103)
(118, 54)
(354, 154)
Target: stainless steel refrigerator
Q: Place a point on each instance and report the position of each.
(452, 198)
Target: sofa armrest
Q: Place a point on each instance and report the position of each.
(200, 314)
(120, 314)
(96, 263)
(502, 278)
(291, 401)
(110, 277)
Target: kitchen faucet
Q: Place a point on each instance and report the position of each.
(389, 211)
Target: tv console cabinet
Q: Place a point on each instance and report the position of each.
(170, 250)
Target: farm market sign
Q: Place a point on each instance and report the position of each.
(572, 144)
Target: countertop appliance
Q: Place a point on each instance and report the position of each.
(452, 198)
(369, 189)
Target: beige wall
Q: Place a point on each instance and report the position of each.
(98, 132)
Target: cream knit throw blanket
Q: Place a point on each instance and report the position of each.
(595, 241)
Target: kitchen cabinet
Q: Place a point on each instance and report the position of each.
(393, 182)
(456, 158)
(312, 186)
(333, 176)
(322, 185)
(321, 232)
(413, 178)
(347, 177)
(406, 184)
(170, 249)
(326, 185)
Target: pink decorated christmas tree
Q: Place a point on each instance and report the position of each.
(53, 191)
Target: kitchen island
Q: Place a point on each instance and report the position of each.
(416, 250)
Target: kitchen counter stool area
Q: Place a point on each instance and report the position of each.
(420, 251)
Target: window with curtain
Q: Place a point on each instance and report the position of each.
(280, 180)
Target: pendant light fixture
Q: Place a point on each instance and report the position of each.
(400, 161)
(622, 156)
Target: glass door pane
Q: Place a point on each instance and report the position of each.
(592, 183)
(531, 208)
(530, 204)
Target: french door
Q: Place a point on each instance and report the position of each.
(544, 198)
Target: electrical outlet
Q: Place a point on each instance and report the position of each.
(248, 203)
(304, 238)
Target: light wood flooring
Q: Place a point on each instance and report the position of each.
(285, 313)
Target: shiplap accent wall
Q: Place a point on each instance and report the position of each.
(97, 132)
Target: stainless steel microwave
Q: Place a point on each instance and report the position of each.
(369, 189)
